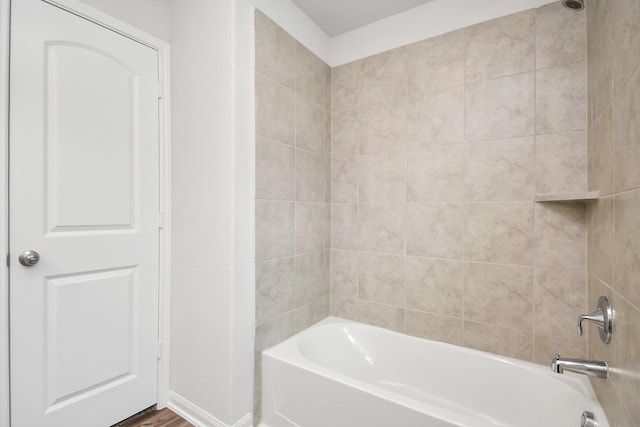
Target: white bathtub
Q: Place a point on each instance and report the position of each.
(340, 373)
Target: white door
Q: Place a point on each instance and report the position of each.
(84, 195)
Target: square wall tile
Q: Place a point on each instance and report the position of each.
(561, 163)
(437, 63)
(275, 170)
(275, 280)
(500, 170)
(597, 11)
(382, 177)
(436, 118)
(274, 332)
(626, 56)
(560, 237)
(275, 110)
(434, 327)
(344, 226)
(601, 57)
(436, 174)
(382, 127)
(560, 297)
(560, 36)
(384, 316)
(626, 135)
(345, 86)
(275, 235)
(275, 51)
(435, 285)
(499, 232)
(435, 230)
(309, 177)
(516, 343)
(347, 308)
(601, 225)
(501, 47)
(310, 75)
(320, 309)
(500, 108)
(344, 273)
(310, 227)
(501, 295)
(624, 376)
(561, 98)
(601, 154)
(310, 278)
(382, 228)
(626, 246)
(384, 77)
(381, 279)
(344, 133)
(302, 318)
(344, 179)
(310, 125)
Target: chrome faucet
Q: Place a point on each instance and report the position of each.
(592, 368)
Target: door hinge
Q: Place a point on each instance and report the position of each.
(8, 260)
(160, 90)
(160, 220)
(159, 350)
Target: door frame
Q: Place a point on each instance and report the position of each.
(83, 10)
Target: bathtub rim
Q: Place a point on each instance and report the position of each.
(290, 347)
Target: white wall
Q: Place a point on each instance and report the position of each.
(211, 310)
(151, 16)
(244, 183)
(212, 280)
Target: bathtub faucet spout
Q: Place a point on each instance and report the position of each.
(592, 368)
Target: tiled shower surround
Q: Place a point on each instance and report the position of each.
(398, 190)
(293, 94)
(438, 149)
(614, 221)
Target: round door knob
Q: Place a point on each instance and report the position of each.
(29, 258)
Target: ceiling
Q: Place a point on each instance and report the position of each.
(339, 16)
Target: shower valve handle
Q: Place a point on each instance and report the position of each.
(602, 318)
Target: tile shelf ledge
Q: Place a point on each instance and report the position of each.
(587, 196)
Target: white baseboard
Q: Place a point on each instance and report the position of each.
(198, 417)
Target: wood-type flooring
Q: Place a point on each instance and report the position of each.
(162, 418)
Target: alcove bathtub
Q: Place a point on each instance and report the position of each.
(340, 373)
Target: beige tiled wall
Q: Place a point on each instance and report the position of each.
(614, 221)
(438, 149)
(292, 188)
(418, 168)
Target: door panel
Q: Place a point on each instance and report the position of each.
(90, 152)
(89, 316)
(84, 193)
